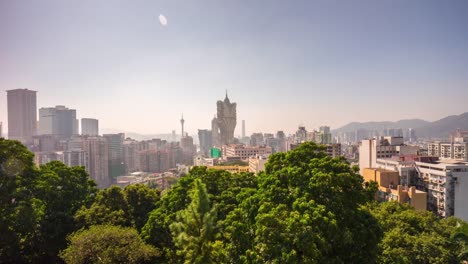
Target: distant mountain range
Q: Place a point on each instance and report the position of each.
(424, 129)
(138, 136)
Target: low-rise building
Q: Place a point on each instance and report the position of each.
(231, 168)
(391, 190)
(244, 152)
(456, 148)
(257, 163)
(445, 181)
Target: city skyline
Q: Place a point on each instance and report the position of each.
(104, 58)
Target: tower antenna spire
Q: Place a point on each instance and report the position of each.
(182, 123)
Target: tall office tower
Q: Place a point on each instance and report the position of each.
(323, 136)
(205, 138)
(182, 124)
(301, 135)
(188, 150)
(89, 127)
(215, 137)
(411, 135)
(226, 120)
(130, 151)
(256, 139)
(22, 115)
(280, 134)
(98, 160)
(243, 128)
(58, 121)
(116, 158)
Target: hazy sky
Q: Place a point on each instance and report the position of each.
(284, 62)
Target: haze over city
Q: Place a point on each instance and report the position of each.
(285, 64)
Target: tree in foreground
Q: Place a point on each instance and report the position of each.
(20, 211)
(460, 236)
(108, 244)
(310, 211)
(416, 236)
(194, 231)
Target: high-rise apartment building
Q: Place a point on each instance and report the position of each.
(45, 143)
(22, 115)
(224, 123)
(98, 160)
(89, 127)
(301, 135)
(243, 128)
(323, 136)
(58, 121)
(205, 139)
(256, 139)
(188, 150)
(116, 158)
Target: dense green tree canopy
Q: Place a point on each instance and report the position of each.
(194, 230)
(414, 236)
(108, 244)
(305, 208)
(37, 205)
(309, 210)
(20, 211)
(63, 190)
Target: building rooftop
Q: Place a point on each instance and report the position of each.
(380, 169)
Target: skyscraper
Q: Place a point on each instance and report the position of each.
(205, 138)
(98, 160)
(243, 128)
(116, 158)
(89, 127)
(1, 129)
(22, 114)
(58, 121)
(225, 121)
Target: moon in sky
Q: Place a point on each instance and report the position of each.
(162, 20)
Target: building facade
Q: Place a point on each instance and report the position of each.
(98, 160)
(116, 158)
(390, 189)
(89, 127)
(257, 163)
(58, 121)
(206, 142)
(244, 152)
(385, 147)
(224, 123)
(22, 115)
(444, 181)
